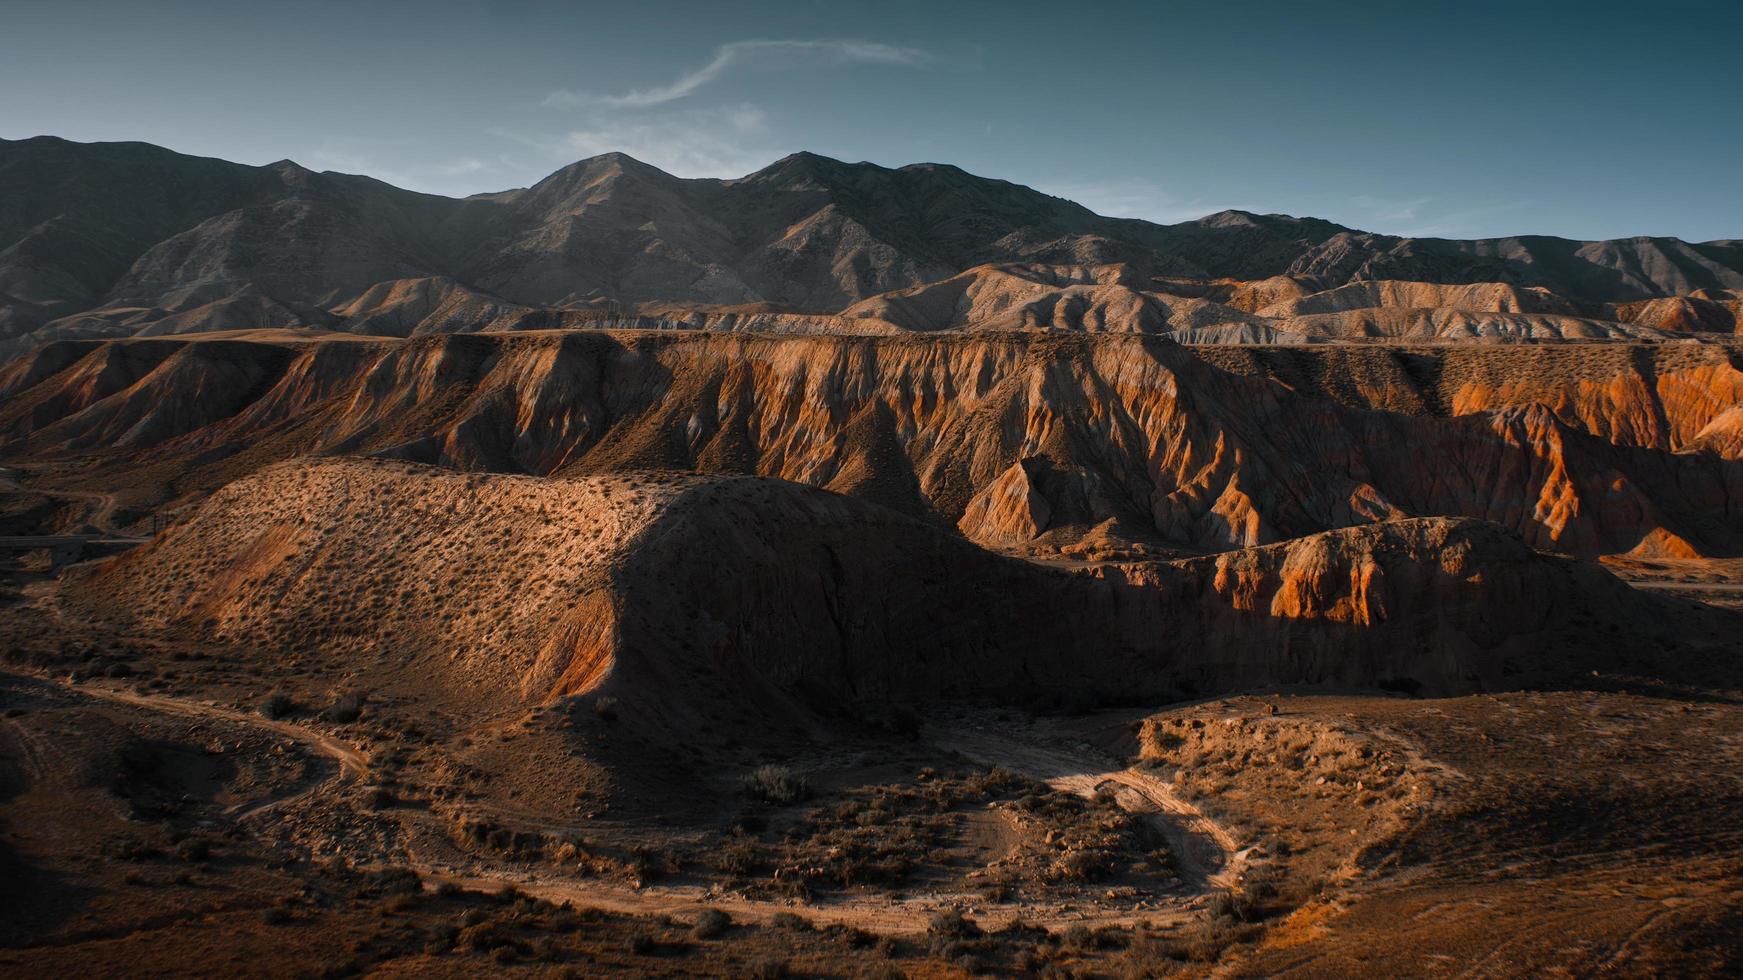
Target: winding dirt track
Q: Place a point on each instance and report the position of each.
(1206, 853)
(351, 762)
(99, 518)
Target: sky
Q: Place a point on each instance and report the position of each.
(1470, 119)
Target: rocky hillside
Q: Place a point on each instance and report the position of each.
(1017, 439)
(691, 597)
(122, 238)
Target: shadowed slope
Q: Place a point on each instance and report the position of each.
(113, 238)
(696, 597)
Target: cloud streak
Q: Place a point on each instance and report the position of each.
(686, 143)
(776, 53)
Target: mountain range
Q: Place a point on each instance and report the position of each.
(115, 239)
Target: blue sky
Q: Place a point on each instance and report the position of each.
(1472, 119)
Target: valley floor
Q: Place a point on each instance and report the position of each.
(584, 652)
(158, 814)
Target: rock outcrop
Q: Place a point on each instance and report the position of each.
(1208, 451)
(692, 597)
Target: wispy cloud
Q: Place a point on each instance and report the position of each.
(765, 53)
(692, 143)
(725, 141)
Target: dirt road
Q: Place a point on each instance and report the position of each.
(1207, 854)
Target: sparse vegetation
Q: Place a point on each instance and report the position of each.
(951, 922)
(277, 705)
(345, 709)
(710, 923)
(880, 836)
(775, 784)
(478, 749)
(605, 708)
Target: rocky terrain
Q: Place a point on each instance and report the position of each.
(698, 596)
(1088, 446)
(848, 571)
(611, 696)
(807, 244)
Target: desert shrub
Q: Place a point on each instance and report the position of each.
(788, 920)
(1206, 942)
(1078, 939)
(549, 950)
(650, 863)
(346, 708)
(400, 903)
(484, 937)
(995, 782)
(951, 922)
(738, 856)
(642, 943)
(605, 708)
(1147, 957)
(1086, 864)
(193, 849)
(776, 784)
(1264, 893)
(710, 923)
(855, 938)
(769, 969)
(1229, 904)
(567, 851)
(278, 704)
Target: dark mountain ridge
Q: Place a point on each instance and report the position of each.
(132, 230)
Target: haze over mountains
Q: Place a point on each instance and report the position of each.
(116, 239)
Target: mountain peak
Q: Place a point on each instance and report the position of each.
(601, 167)
(612, 159)
(1229, 218)
(807, 231)
(802, 165)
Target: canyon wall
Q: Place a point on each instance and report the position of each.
(1585, 449)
